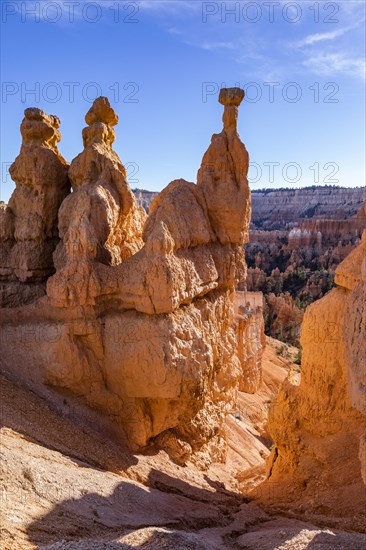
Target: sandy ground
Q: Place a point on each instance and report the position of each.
(64, 486)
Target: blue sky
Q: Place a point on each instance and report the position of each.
(162, 62)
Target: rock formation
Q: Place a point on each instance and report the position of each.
(66, 486)
(99, 221)
(251, 339)
(142, 338)
(283, 208)
(138, 322)
(28, 225)
(283, 317)
(322, 420)
(351, 274)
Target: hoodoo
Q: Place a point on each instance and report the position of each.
(138, 322)
(134, 365)
(28, 225)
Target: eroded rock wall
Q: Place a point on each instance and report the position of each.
(317, 425)
(285, 208)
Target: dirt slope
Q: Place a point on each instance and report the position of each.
(64, 486)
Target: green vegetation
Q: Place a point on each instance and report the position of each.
(298, 357)
(304, 300)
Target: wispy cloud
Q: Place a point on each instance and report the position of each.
(338, 52)
(354, 9)
(217, 46)
(336, 63)
(209, 45)
(321, 37)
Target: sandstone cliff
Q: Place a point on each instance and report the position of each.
(143, 343)
(284, 208)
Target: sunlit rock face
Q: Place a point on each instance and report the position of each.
(319, 426)
(138, 323)
(100, 221)
(29, 223)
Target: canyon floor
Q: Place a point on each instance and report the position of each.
(66, 486)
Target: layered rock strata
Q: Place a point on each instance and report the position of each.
(285, 208)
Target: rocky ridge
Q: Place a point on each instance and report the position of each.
(282, 209)
(276, 209)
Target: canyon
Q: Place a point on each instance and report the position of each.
(142, 404)
(296, 264)
(285, 208)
